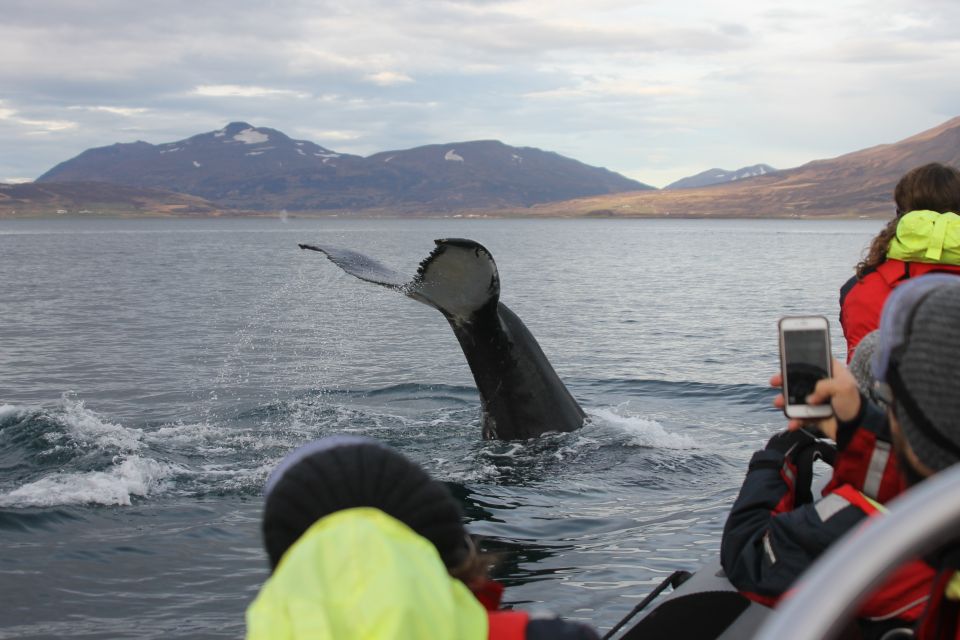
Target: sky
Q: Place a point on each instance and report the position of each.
(656, 90)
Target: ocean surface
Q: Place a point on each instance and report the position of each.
(152, 372)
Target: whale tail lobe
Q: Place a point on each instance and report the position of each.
(458, 278)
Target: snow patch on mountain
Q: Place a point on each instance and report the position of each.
(251, 136)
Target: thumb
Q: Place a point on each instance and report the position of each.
(824, 391)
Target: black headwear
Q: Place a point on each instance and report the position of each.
(339, 473)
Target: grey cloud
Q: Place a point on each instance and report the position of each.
(470, 64)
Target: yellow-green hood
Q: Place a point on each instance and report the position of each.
(927, 236)
(362, 574)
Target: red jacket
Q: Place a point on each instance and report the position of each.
(861, 300)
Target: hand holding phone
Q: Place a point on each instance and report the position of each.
(804, 360)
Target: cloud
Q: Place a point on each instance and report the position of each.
(32, 126)
(389, 78)
(118, 111)
(331, 134)
(239, 91)
(611, 87)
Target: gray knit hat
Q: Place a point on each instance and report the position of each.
(861, 364)
(919, 359)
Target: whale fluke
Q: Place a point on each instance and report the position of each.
(521, 395)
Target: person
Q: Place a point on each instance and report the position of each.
(769, 538)
(923, 237)
(363, 544)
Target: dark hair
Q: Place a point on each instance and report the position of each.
(932, 187)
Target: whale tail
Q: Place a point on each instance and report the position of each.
(458, 278)
(520, 394)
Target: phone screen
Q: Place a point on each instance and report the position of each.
(807, 357)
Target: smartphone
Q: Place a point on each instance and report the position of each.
(804, 359)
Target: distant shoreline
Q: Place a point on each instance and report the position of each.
(366, 215)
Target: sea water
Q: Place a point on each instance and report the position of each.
(152, 372)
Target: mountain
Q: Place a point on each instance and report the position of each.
(97, 198)
(858, 184)
(719, 176)
(241, 166)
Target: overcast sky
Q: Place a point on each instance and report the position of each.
(656, 90)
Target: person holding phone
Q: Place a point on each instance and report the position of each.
(773, 533)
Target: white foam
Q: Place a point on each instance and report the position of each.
(7, 411)
(644, 432)
(85, 427)
(134, 476)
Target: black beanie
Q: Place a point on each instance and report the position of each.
(339, 473)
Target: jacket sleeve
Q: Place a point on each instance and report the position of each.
(763, 552)
(865, 458)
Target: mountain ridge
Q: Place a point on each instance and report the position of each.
(856, 184)
(719, 176)
(241, 166)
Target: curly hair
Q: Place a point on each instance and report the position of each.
(932, 187)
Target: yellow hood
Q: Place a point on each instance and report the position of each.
(362, 574)
(927, 236)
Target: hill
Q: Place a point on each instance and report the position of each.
(858, 184)
(241, 166)
(90, 199)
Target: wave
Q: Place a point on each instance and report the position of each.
(71, 456)
(134, 476)
(643, 432)
(747, 394)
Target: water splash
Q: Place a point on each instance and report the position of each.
(643, 432)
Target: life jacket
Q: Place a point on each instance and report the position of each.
(868, 462)
(507, 624)
(904, 593)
